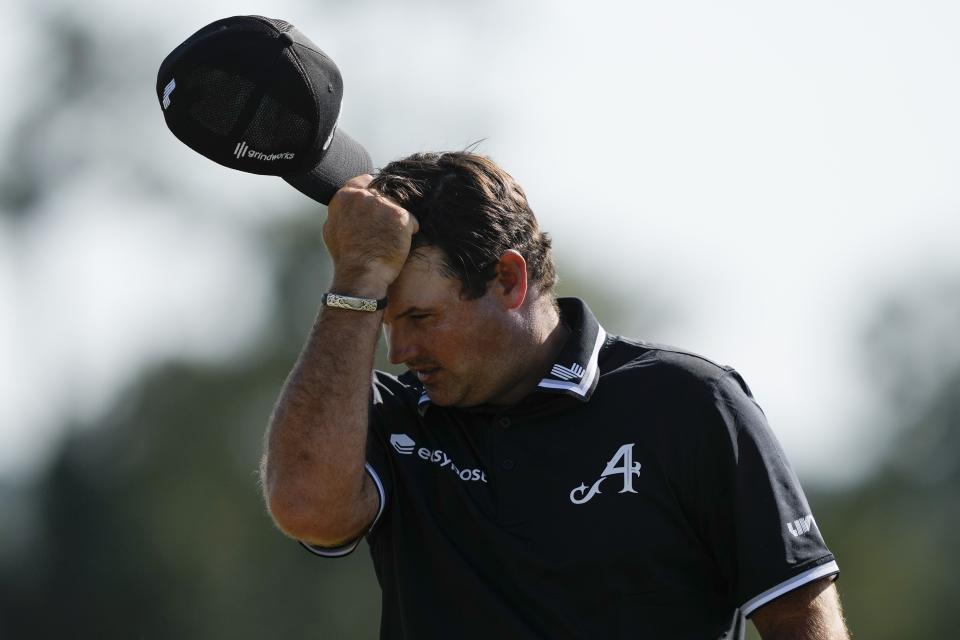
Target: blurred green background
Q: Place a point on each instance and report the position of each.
(134, 510)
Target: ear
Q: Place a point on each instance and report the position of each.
(510, 282)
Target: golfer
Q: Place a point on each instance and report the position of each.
(531, 475)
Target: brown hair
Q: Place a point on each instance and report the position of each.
(473, 211)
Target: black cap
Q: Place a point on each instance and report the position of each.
(255, 94)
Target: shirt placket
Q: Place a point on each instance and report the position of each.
(508, 468)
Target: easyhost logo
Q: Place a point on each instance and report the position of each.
(404, 445)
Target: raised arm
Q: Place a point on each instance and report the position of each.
(312, 470)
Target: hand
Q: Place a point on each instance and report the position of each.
(368, 238)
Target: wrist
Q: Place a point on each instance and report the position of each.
(360, 286)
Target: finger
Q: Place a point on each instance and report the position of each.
(414, 224)
(359, 182)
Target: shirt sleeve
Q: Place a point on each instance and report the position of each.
(752, 512)
(390, 404)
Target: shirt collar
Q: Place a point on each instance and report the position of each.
(576, 370)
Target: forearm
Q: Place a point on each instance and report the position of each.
(313, 466)
(810, 613)
(811, 630)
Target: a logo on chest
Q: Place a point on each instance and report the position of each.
(621, 464)
(405, 445)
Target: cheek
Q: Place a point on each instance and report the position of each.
(447, 343)
(471, 342)
(488, 343)
(443, 343)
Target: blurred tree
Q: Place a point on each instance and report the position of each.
(151, 524)
(895, 536)
(56, 116)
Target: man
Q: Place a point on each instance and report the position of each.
(531, 476)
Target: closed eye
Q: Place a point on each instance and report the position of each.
(415, 313)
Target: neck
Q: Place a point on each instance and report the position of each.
(543, 340)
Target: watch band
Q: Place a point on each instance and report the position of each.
(351, 303)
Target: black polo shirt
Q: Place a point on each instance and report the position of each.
(637, 493)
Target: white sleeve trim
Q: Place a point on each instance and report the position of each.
(348, 547)
(816, 573)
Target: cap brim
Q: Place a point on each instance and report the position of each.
(345, 159)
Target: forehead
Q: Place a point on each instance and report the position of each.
(422, 282)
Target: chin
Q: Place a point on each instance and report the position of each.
(441, 399)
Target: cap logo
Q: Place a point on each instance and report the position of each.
(243, 150)
(326, 145)
(166, 93)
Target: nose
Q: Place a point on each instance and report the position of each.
(400, 348)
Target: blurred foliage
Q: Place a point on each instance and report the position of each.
(149, 523)
(895, 534)
(77, 71)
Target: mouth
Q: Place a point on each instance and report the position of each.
(426, 375)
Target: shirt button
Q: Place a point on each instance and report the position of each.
(507, 464)
(504, 422)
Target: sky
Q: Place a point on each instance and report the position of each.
(762, 173)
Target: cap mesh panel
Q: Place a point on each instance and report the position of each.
(274, 128)
(222, 98)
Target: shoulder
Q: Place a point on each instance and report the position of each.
(689, 386)
(627, 356)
